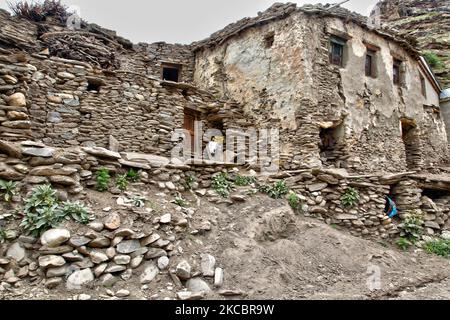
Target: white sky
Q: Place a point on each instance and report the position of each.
(178, 21)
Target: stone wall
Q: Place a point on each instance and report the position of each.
(292, 84)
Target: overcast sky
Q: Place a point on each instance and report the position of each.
(178, 21)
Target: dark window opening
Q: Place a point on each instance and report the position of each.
(397, 71)
(411, 140)
(171, 74)
(423, 86)
(435, 194)
(337, 51)
(94, 86)
(269, 40)
(370, 63)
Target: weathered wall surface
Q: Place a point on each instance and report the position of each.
(293, 84)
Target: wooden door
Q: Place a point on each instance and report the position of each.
(190, 116)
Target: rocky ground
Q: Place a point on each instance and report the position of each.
(263, 248)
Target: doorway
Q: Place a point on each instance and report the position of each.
(413, 147)
(190, 117)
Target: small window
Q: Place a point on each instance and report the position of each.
(397, 71)
(337, 51)
(171, 72)
(269, 39)
(370, 63)
(423, 85)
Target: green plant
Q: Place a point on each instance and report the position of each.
(41, 211)
(76, 211)
(222, 185)
(243, 181)
(122, 182)
(403, 243)
(276, 191)
(350, 197)
(294, 201)
(132, 175)
(180, 201)
(189, 182)
(433, 60)
(9, 189)
(2, 235)
(103, 180)
(440, 247)
(413, 226)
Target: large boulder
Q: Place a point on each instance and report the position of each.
(78, 279)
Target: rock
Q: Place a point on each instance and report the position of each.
(108, 280)
(56, 250)
(4, 262)
(111, 252)
(328, 179)
(218, 277)
(10, 149)
(84, 297)
(84, 264)
(122, 293)
(163, 262)
(208, 264)
(17, 100)
(115, 268)
(317, 187)
(98, 257)
(51, 261)
(445, 235)
(16, 252)
(150, 272)
(102, 153)
(238, 198)
(63, 180)
(47, 171)
(128, 246)
(79, 241)
(150, 239)
(100, 242)
(96, 226)
(432, 225)
(183, 270)
(122, 259)
(57, 272)
(72, 257)
(55, 237)
(100, 269)
(65, 75)
(38, 152)
(53, 283)
(187, 295)
(346, 217)
(136, 262)
(197, 285)
(125, 233)
(113, 221)
(79, 278)
(165, 219)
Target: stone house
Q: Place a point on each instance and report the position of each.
(342, 93)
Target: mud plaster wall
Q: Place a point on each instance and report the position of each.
(292, 84)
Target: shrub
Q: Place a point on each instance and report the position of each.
(440, 247)
(132, 175)
(180, 201)
(122, 182)
(433, 60)
(40, 11)
(103, 180)
(403, 243)
(276, 191)
(413, 226)
(41, 211)
(189, 182)
(294, 201)
(242, 181)
(77, 211)
(350, 197)
(222, 185)
(9, 189)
